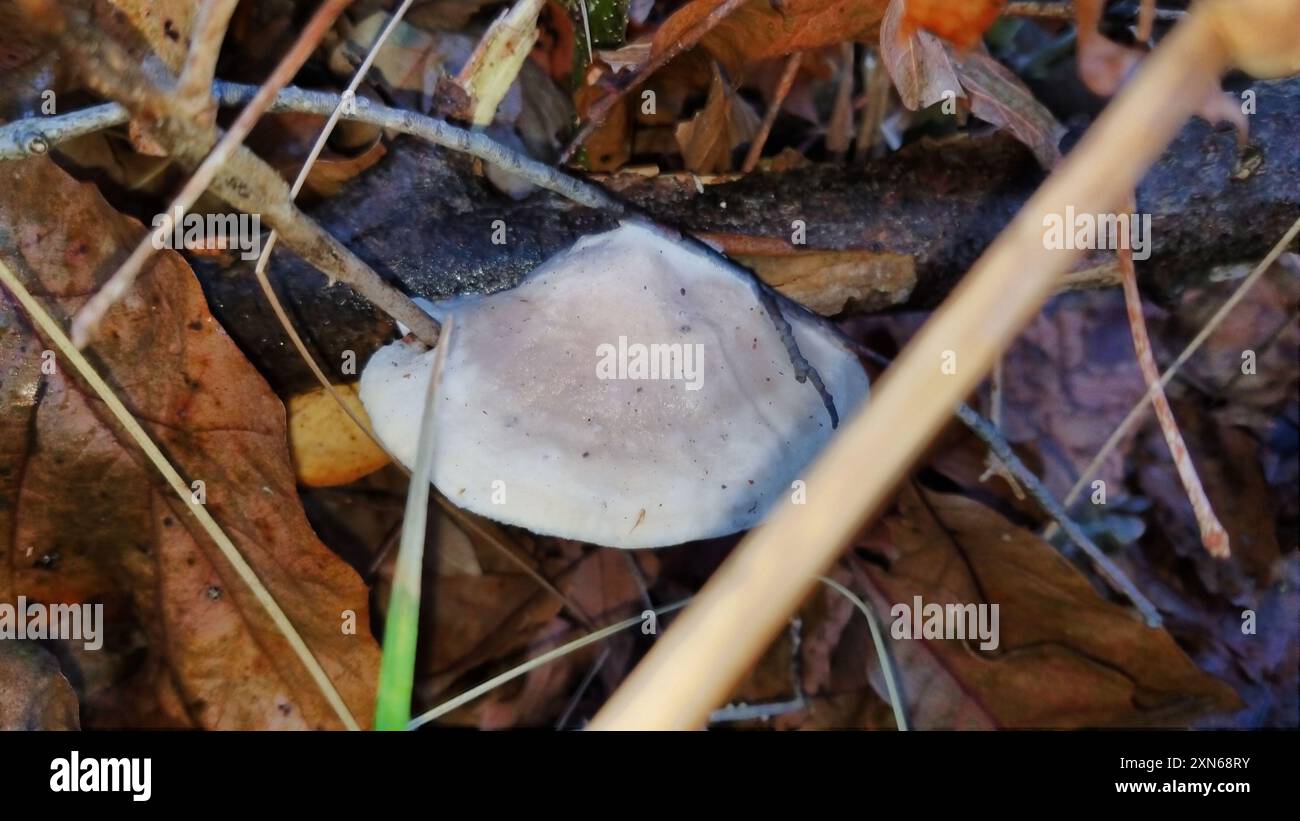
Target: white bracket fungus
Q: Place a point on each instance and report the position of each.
(633, 391)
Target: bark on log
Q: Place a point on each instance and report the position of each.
(426, 220)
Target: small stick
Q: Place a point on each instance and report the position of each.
(1135, 413)
(992, 465)
(763, 581)
(194, 88)
(92, 313)
(773, 109)
(596, 116)
(1061, 10)
(1146, 20)
(876, 82)
(840, 126)
(34, 136)
(1213, 536)
(438, 132)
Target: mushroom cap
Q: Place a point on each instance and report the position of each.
(549, 415)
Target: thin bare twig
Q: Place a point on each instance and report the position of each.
(839, 129)
(34, 136)
(582, 688)
(17, 138)
(877, 85)
(1213, 536)
(438, 132)
(195, 85)
(773, 109)
(1131, 419)
(993, 466)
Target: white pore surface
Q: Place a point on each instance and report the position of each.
(528, 433)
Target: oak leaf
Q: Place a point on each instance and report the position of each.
(84, 518)
(1066, 657)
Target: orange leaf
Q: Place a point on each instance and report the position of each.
(757, 30)
(961, 21)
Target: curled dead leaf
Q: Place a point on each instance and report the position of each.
(917, 61)
(725, 122)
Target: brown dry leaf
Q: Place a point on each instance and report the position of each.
(829, 282)
(1264, 323)
(85, 519)
(997, 96)
(610, 146)
(1067, 658)
(725, 122)
(34, 695)
(761, 29)
(917, 61)
(1075, 378)
(332, 170)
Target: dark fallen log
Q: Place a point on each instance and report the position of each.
(914, 221)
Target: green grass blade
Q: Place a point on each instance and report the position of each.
(401, 628)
